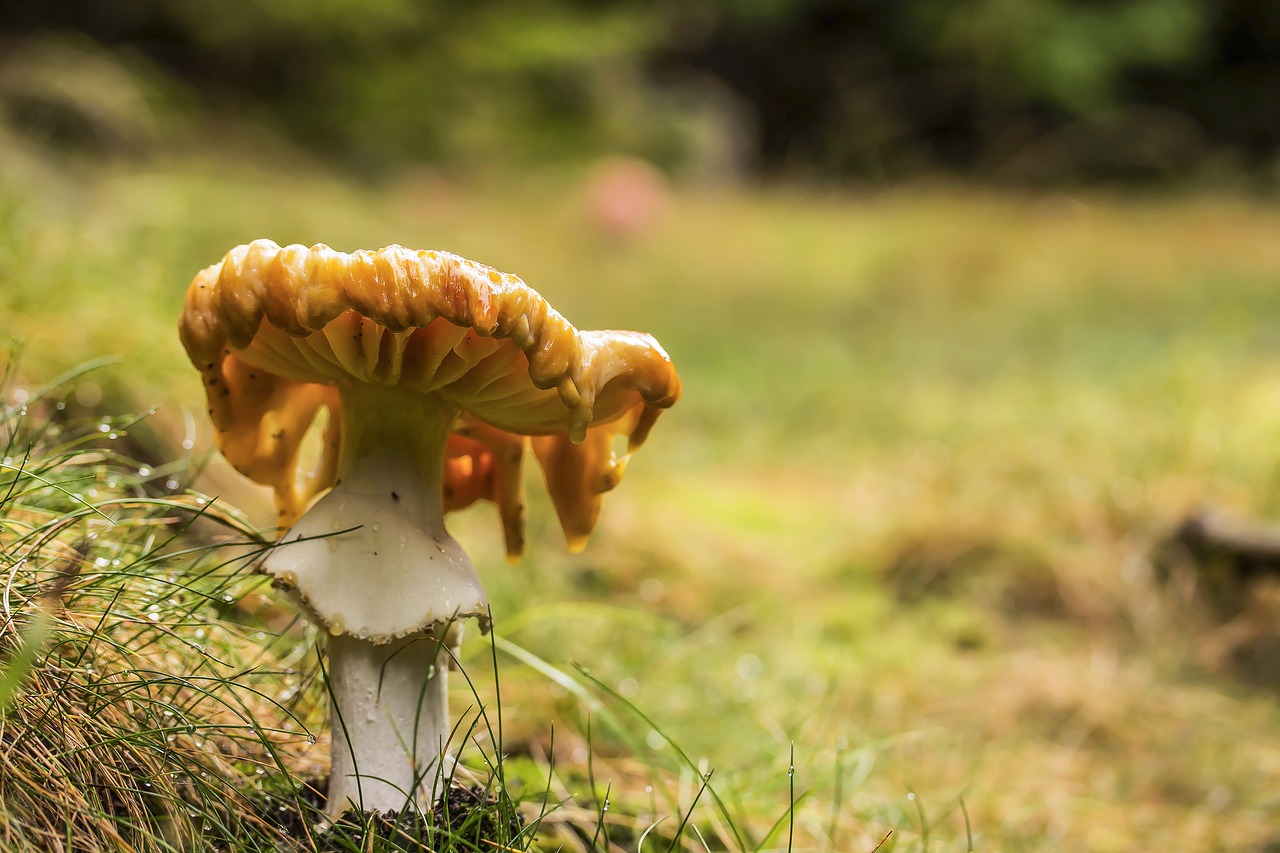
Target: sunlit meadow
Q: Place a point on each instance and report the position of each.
(901, 533)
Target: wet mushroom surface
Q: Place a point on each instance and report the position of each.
(438, 374)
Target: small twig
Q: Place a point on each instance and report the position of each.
(501, 846)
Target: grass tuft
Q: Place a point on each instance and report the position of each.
(134, 715)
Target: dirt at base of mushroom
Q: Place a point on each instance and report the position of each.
(303, 819)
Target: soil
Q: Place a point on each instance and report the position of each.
(468, 817)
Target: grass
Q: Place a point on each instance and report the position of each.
(143, 705)
(131, 712)
(904, 518)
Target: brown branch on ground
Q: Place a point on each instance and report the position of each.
(1253, 546)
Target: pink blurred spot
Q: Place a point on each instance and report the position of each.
(625, 197)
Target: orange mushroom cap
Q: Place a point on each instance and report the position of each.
(277, 332)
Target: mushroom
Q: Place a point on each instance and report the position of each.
(437, 373)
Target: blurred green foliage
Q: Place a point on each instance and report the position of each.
(1069, 54)
(442, 80)
(861, 88)
(383, 81)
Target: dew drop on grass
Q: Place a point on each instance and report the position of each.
(113, 436)
(102, 562)
(911, 795)
(104, 428)
(311, 739)
(651, 590)
(171, 485)
(748, 667)
(144, 472)
(791, 771)
(187, 444)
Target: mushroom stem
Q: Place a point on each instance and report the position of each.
(390, 722)
(393, 446)
(372, 561)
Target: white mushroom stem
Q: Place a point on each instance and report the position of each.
(389, 721)
(384, 591)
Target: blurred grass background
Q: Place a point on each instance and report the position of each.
(974, 303)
